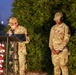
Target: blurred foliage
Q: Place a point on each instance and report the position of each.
(72, 57)
(7, 28)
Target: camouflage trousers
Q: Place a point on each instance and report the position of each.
(60, 63)
(22, 61)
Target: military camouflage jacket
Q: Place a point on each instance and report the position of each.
(59, 36)
(21, 30)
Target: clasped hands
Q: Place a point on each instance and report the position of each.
(55, 51)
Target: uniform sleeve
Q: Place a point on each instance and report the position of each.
(50, 40)
(66, 38)
(26, 35)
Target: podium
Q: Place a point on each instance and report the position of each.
(7, 40)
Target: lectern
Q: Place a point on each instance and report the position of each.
(8, 39)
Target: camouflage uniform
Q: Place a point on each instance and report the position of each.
(22, 48)
(59, 38)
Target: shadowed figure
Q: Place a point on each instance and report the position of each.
(2, 31)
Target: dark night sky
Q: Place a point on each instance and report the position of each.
(5, 10)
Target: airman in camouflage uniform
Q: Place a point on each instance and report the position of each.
(17, 29)
(59, 38)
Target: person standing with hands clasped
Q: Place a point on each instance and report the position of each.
(59, 38)
(15, 28)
